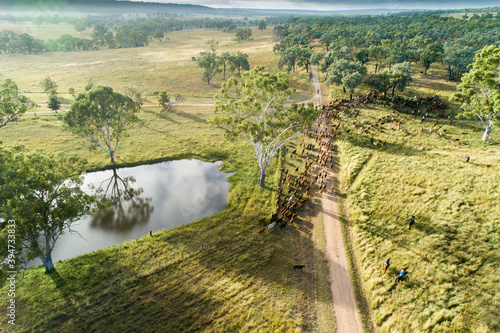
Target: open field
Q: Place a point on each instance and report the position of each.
(452, 253)
(161, 65)
(44, 31)
(219, 274)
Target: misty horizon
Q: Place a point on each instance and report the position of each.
(329, 5)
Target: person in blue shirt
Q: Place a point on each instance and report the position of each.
(387, 264)
(401, 277)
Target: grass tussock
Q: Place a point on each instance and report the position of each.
(451, 255)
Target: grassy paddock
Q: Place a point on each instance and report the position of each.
(161, 65)
(451, 255)
(217, 274)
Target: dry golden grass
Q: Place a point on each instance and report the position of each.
(450, 255)
(162, 65)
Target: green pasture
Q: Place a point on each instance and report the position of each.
(451, 256)
(217, 274)
(163, 65)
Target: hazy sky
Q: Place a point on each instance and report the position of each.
(337, 4)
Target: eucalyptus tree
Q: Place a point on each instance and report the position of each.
(12, 104)
(243, 34)
(362, 55)
(342, 68)
(380, 81)
(224, 62)
(479, 91)
(305, 57)
(316, 58)
(41, 193)
(457, 56)
(262, 25)
(376, 52)
(397, 78)
(50, 88)
(335, 54)
(400, 76)
(209, 61)
(289, 58)
(102, 116)
(252, 109)
(432, 53)
(53, 103)
(351, 81)
(238, 62)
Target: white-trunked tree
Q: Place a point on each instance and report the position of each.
(41, 192)
(252, 109)
(479, 91)
(102, 116)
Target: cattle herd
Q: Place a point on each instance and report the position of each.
(316, 156)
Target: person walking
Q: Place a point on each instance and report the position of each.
(412, 222)
(401, 277)
(386, 265)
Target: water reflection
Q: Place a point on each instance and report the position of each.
(144, 198)
(125, 207)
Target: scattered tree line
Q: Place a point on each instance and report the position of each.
(113, 32)
(387, 40)
(214, 63)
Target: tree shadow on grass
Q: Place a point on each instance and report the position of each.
(161, 115)
(190, 116)
(57, 278)
(389, 147)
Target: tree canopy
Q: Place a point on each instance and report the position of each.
(243, 34)
(238, 61)
(48, 86)
(479, 92)
(342, 68)
(102, 116)
(262, 25)
(209, 61)
(397, 78)
(432, 53)
(41, 192)
(252, 109)
(12, 104)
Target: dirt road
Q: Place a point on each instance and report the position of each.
(344, 302)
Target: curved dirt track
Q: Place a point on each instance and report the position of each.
(344, 302)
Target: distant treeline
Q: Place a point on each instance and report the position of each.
(110, 32)
(388, 40)
(451, 11)
(104, 6)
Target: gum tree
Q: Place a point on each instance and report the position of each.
(50, 88)
(252, 109)
(479, 91)
(102, 116)
(209, 61)
(41, 192)
(12, 104)
(342, 68)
